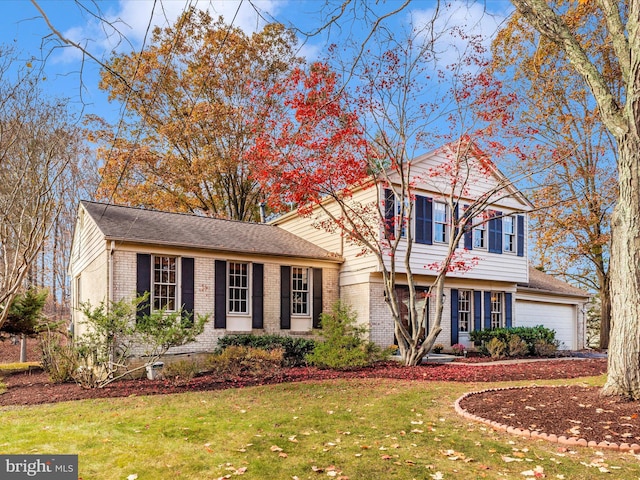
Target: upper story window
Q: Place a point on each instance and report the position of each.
(480, 233)
(509, 231)
(464, 310)
(440, 222)
(165, 283)
(238, 287)
(300, 291)
(496, 309)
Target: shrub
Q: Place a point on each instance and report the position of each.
(458, 349)
(530, 335)
(496, 348)
(237, 361)
(113, 330)
(517, 347)
(545, 348)
(181, 371)
(344, 345)
(59, 358)
(294, 349)
(437, 348)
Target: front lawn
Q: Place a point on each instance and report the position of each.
(355, 429)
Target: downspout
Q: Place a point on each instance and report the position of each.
(110, 272)
(110, 291)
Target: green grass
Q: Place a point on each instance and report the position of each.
(364, 429)
(17, 367)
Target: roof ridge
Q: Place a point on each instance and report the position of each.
(185, 214)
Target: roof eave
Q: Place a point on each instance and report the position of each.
(332, 259)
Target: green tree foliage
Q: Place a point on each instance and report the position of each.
(25, 313)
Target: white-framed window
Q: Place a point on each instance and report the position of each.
(440, 222)
(300, 291)
(238, 288)
(509, 233)
(165, 283)
(496, 309)
(464, 310)
(480, 233)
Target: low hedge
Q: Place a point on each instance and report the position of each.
(530, 335)
(294, 349)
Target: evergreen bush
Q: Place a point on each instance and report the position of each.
(344, 346)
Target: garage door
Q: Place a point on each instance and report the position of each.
(561, 318)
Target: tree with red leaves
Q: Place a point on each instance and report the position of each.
(345, 158)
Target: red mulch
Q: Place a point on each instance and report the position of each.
(573, 411)
(25, 389)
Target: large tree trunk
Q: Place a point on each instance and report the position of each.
(624, 343)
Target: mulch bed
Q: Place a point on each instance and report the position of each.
(570, 411)
(33, 389)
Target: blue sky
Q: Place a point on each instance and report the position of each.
(22, 25)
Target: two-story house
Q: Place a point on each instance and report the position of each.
(499, 290)
(278, 277)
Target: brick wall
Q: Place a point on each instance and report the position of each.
(124, 286)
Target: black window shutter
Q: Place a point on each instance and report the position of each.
(285, 297)
(317, 297)
(424, 220)
(477, 310)
(508, 313)
(487, 310)
(389, 213)
(220, 293)
(143, 282)
(468, 231)
(454, 316)
(454, 220)
(495, 232)
(188, 290)
(520, 227)
(257, 296)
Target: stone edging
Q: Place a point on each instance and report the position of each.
(561, 440)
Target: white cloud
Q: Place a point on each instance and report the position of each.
(472, 18)
(127, 22)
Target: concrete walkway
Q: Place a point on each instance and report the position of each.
(445, 358)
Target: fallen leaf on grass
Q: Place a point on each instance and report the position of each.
(537, 472)
(275, 448)
(507, 459)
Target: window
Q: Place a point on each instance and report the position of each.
(440, 222)
(509, 230)
(238, 287)
(464, 310)
(480, 233)
(165, 283)
(299, 291)
(496, 309)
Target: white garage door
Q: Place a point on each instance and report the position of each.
(561, 318)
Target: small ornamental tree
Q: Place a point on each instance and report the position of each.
(324, 145)
(115, 330)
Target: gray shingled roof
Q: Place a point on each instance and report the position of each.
(540, 281)
(128, 224)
